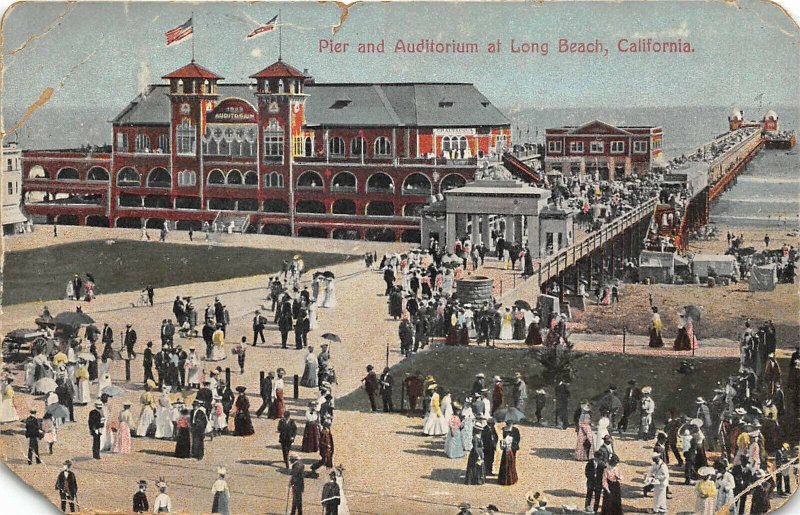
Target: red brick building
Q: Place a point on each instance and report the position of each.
(279, 155)
(612, 152)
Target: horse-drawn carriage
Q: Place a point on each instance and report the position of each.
(51, 335)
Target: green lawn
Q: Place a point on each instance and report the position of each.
(124, 265)
(455, 367)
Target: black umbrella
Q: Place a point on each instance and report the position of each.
(329, 274)
(73, 319)
(508, 414)
(332, 337)
(522, 304)
(693, 312)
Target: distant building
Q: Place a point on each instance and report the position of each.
(598, 147)
(13, 219)
(279, 155)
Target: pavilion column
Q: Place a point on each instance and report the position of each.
(533, 236)
(451, 230)
(509, 234)
(486, 237)
(475, 228)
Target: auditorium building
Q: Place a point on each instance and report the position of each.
(279, 155)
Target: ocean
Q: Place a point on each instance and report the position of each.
(767, 194)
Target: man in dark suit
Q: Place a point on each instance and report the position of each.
(388, 278)
(140, 504)
(208, 334)
(562, 400)
(266, 394)
(205, 396)
(65, 396)
(199, 422)
(287, 432)
(285, 321)
(107, 339)
(67, 487)
(297, 484)
(258, 328)
(182, 357)
(301, 328)
(147, 362)
(386, 382)
(130, 340)
(33, 432)
(594, 480)
(490, 439)
(77, 284)
(96, 423)
(331, 496)
(371, 386)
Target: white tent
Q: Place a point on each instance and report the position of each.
(722, 265)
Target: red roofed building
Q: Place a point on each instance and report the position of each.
(283, 155)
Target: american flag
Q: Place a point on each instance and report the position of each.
(179, 33)
(263, 29)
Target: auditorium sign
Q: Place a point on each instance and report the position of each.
(233, 110)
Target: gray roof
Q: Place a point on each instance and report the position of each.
(352, 105)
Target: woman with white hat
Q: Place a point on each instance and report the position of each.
(706, 492)
(222, 496)
(162, 503)
(435, 423)
(584, 448)
(122, 443)
(148, 402)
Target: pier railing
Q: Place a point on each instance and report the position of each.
(552, 266)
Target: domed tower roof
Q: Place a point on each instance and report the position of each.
(192, 71)
(771, 115)
(737, 114)
(278, 70)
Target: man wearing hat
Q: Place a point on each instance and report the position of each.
(331, 496)
(287, 432)
(371, 386)
(67, 487)
(629, 405)
(540, 396)
(413, 385)
(658, 479)
(130, 340)
(647, 407)
(520, 393)
(199, 423)
(96, 424)
(147, 362)
(297, 484)
(140, 504)
(593, 471)
(772, 373)
(479, 383)
(562, 400)
(704, 414)
(497, 395)
(33, 432)
(490, 440)
(205, 396)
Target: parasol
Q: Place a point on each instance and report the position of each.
(45, 385)
(522, 304)
(510, 414)
(73, 319)
(58, 410)
(328, 274)
(45, 320)
(706, 471)
(113, 390)
(692, 312)
(86, 356)
(60, 359)
(696, 422)
(331, 337)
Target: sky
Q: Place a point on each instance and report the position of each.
(100, 55)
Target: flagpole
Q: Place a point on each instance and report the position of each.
(280, 35)
(193, 36)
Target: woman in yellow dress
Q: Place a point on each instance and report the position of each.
(8, 413)
(706, 492)
(82, 378)
(218, 350)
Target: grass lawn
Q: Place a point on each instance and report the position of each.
(124, 265)
(455, 367)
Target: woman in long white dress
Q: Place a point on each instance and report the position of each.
(602, 430)
(330, 293)
(103, 368)
(8, 413)
(103, 382)
(313, 322)
(435, 424)
(164, 415)
(506, 326)
(195, 371)
(344, 509)
(310, 378)
(107, 437)
(146, 417)
(218, 349)
(83, 396)
(447, 408)
(447, 283)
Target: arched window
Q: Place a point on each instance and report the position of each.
(310, 180)
(310, 206)
(336, 146)
(215, 177)
(413, 209)
(159, 178)
(235, 177)
(358, 146)
(68, 174)
(308, 147)
(344, 207)
(273, 180)
(251, 178)
(128, 177)
(417, 184)
(185, 137)
(97, 173)
(273, 142)
(163, 143)
(451, 181)
(344, 181)
(380, 182)
(380, 208)
(142, 143)
(38, 172)
(187, 178)
(383, 147)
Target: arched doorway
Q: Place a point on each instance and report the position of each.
(344, 234)
(379, 234)
(380, 183)
(310, 206)
(67, 220)
(344, 207)
(129, 222)
(97, 221)
(312, 232)
(276, 229)
(380, 208)
(417, 184)
(97, 173)
(68, 174)
(451, 181)
(159, 178)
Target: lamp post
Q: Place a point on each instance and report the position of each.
(624, 337)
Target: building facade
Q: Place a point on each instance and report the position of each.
(597, 147)
(279, 155)
(11, 162)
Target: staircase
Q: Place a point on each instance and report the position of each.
(224, 218)
(521, 170)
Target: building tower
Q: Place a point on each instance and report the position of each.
(736, 119)
(193, 94)
(281, 116)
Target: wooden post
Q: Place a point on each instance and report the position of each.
(624, 335)
(127, 370)
(228, 375)
(296, 387)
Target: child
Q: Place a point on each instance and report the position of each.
(218, 418)
(49, 429)
(240, 350)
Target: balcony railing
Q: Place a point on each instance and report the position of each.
(380, 189)
(396, 161)
(343, 189)
(417, 190)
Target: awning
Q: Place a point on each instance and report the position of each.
(12, 215)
